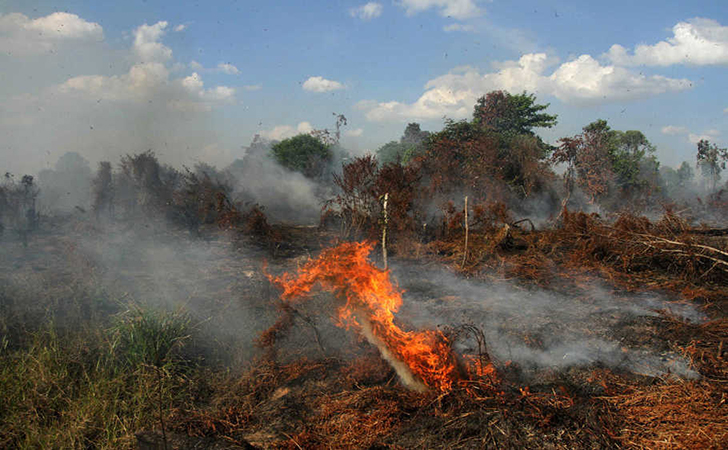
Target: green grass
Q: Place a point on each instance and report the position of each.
(94, 386)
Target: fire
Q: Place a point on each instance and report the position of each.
(369, 300)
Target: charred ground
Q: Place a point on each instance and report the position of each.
(598, 300)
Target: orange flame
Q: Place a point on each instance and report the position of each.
(422, 359)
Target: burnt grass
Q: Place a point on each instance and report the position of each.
(72, 378)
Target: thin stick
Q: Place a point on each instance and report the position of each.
(161, 412)
(467, 228)
(384, 231)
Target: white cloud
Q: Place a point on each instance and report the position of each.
(357, 132)
(201, 98)
(458, 27)
(139, 83)
(280, 132)
(584, 80)
(147, 46)
(457, 9)
(673, 130)
(709, 135)
(180, 27)
(368, 11)
(149, 79)
(725, 111)
(21, 35)
(693, 138)
(304, 127)
(253, 87)
(320, 84)
(228, 69)
(581, 81)
(698, 41)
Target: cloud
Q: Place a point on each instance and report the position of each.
(280, 132)
(354, 133)
(698, 41)
(709, 135)
(225, 68)
(228, 69)
(584, 80)
(673, 130)
(458, 27)
(581, 81)
(138, 84)
(320, 84)
(194, 85)
(725, 111)
(253, 87)
(180, 27)
(457, 9)
(20, 35)
(693, 138)
(368, 11)
(147, 46)
(149, 79)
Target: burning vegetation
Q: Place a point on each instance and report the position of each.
(528, 296)
(368, 301)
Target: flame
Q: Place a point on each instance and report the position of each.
(422, 359)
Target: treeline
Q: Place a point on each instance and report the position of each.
(495, 158)
(507, 171)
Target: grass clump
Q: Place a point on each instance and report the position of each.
(94, 387)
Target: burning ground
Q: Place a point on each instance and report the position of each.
(178, 312)
(305, 341)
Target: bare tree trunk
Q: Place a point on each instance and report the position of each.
(384, 231)
(467, 229)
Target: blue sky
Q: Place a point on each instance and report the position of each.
(196, 80)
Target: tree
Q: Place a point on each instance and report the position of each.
(411, 144)
(633, 162)
(66, 185)
(586, 156)
(17, 205)
(711, 161)
(510, 114)
(496, 154)
(601, 159)
(685, 174)
(303, 153)
(103, 190)
(391, 152)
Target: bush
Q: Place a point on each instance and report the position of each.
(303, 153)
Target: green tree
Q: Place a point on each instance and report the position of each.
(711, 161)
(411, 144)
(633, 161)
(509, 114)
(601, 159)
(391, 152)
(685, 174)
(303, 153)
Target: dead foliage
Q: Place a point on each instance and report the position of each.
(685, 415)
(362, 186)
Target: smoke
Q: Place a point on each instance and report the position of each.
(67, 186)
(285, 195)
(152, 264)
(540, 329)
